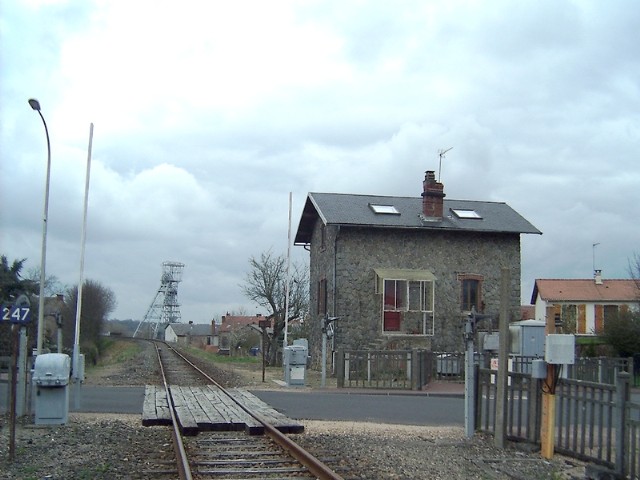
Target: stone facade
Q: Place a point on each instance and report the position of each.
(345, 257)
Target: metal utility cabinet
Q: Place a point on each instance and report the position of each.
(295, 364)
(527, 338)
(51, 380)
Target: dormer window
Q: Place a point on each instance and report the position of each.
(384, 209)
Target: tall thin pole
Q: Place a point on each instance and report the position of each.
(76, 344)
(35, 105)
(286, 307)
(469, 380)
(500, 429)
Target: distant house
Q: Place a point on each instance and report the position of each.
(400, 272)
(53, 309)
(240, 331)
(199, 335)
(582, 306)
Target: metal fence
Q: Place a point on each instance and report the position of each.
(585, 417)
(523, 405)
(632, 440)
(600, 369)
(447, 366)
(387, 369)
(595, 422)
(590, 369)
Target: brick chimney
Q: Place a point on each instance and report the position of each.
(432, 196)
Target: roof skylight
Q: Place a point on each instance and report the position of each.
(469, 214)
(384, 209)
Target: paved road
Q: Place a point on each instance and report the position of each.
(361, 407)
(312, 405)
(407, 409)
(95, 399)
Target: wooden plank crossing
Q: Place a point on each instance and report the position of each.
(155, 409)
(209, 409)
(275, 418)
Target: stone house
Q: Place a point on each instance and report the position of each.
(582, 306)
(402, 272)
(199, 335)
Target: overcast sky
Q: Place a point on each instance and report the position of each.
(207, 114)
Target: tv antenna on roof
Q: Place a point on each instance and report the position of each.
(441, 152)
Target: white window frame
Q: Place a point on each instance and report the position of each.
(384, 209)
(424, 312)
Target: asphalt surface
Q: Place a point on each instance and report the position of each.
(93, 399)
(363, 407)
(296, 404)
(409, 408)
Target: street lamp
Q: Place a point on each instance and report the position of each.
(43, 259)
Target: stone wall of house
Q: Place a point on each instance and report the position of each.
(445, 254)
(321, 266)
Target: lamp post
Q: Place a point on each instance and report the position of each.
(43, 259)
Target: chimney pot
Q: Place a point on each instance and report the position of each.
(597, 276)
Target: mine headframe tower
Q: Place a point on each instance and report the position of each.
(164, 308)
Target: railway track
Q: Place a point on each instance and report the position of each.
(228, 454)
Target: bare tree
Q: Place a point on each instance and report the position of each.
(634, 270)
(265, 284)
(52, 285)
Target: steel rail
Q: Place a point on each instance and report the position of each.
(184, 469)
(315, 466)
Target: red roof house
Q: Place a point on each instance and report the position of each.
(582, 306)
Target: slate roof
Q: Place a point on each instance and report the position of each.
(193, 329)
(585, 290)
(355, 210)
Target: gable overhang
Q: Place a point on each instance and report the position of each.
(310, 214)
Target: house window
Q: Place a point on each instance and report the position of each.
(608, 312)
(470, 292)
(570, 318)
(407, 304)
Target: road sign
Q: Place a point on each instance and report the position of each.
(16, 314)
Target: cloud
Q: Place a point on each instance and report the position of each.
(207, 115)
